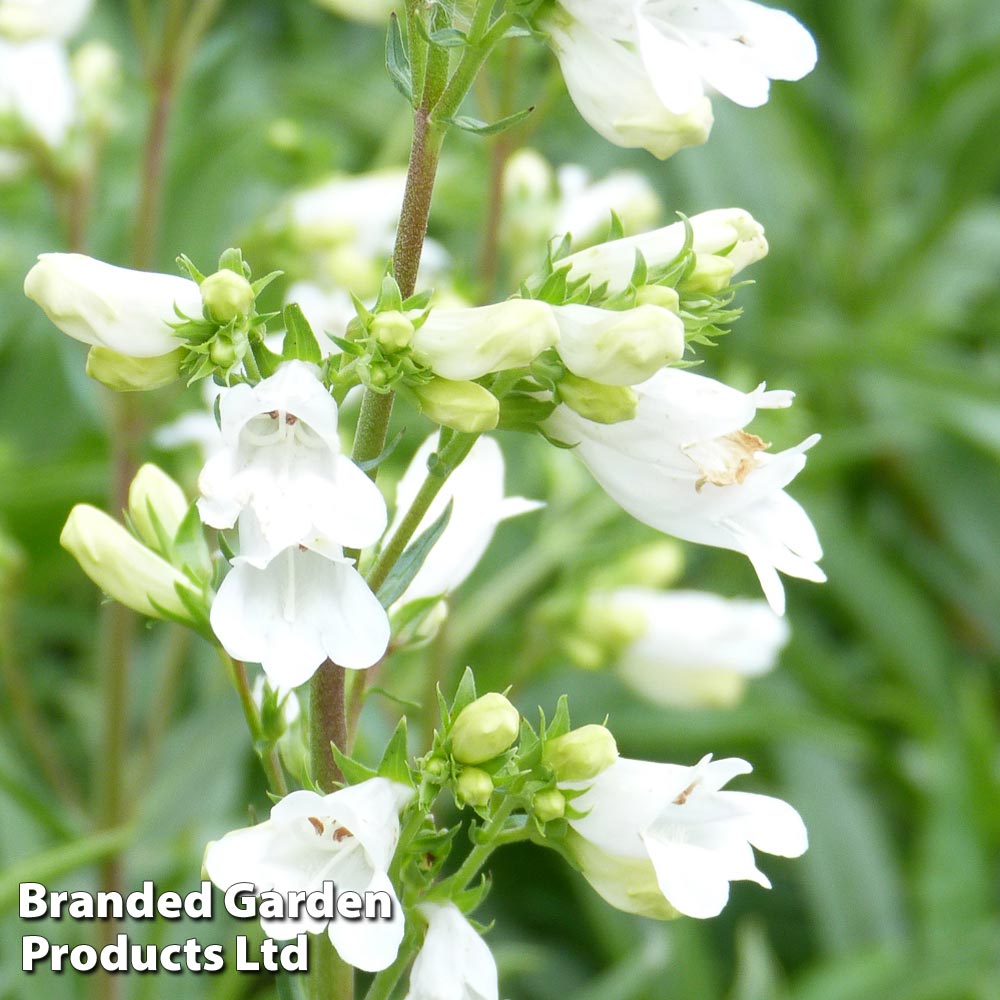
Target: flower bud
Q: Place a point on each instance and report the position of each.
(154, 493)
(659, 295)
(474, 787)
(549, 804)
(127, 311)
(227, 296)
(462, 406)
(729, 230)
(392, 331)
(122, 566)
(484, 729)
(610, 624)
(711, 274)
(436, 767)
(604, 404)
(127, 374)
(470, 343)
(618, 348)
(581, 754)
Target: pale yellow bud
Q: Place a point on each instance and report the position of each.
(484, 729)
(474, 787)
(124, 373)
(227, 296)
(153, 492)
(604, 404)
(549, 804)
(463, 406)
(392, 331)
(581, 754)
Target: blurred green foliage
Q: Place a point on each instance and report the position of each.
(878, 179)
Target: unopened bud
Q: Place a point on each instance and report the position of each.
(711, 274)
(604, 404)
(227, 296)
(484, 729)
(474, 787)
(122, 566)
(549, 804)
(581, 754)
(659, 295)
(436, 767)
(462, 406)
(392, 331)
(127, 374)
(155, 498)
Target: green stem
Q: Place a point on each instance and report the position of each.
(481, 852)
(450, 457)
(268, 754)
(385, 982)
(330, 977)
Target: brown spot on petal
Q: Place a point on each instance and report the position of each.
(317, 825)
(273, 414)
(683, 797)
(291, 419)
(734, 458)
(341, 833)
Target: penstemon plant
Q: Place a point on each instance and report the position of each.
(289, 559)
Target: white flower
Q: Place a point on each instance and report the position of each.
(662, 839)
(687, 47)
(685, 466)
(295, 612)
(479, 505)
(696, 649)
(347, 837)
(100, 304)
(618, 348)
(283, 464)
(454, 962)
(36, 88)
(732, 231)
(22, 19)
(611, 90)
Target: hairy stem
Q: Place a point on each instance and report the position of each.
(328, 724)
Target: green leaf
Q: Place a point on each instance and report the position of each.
(374, 463)
(394, 761)
(300, 342)
(267, 360)
(397, 62)
(412, 559)
(477, 127)
(354, 772)
(616, 230)
(390, 299)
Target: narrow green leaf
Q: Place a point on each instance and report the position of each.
(300, 342)
(411, 560)
(477, 127)
(397, 62)
(394, 761)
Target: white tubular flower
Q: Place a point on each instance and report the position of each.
(684, 48)
(299, 609)
(464, 344)
(618, 348)
(21, 19)
(347, 837)
(478, 505)
(454, 962)
(611, 90)
(366, 11)
(685, 466)
(661, 839)
(585, 206)
(731, 231)
(108, 306)
(282, 463)
(696, 650)
(36, 88)
(122, 566)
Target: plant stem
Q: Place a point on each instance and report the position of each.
(328, 724)
(330, 977)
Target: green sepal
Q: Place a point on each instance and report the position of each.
(390, 299)
(521, 412)
(261, 283)
(616, 228)
(465, 694)
(393, 764)
(469, 899)
(397, 62)
(420, 300)
(267, 360)
(191, 549)
(353, 771)
(350, 347)
(640, 271)
(186, 265)
(232, 260)
(402, 574)
(300, 342)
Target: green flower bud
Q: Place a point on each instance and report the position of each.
(659, 295)
(484, 729)
(120, 565)
(604, 404)
(392, 331)
(154, 493)
(227, 296)
(549, 804)
(474, 787)
(711, 274)
(581, 754)
(127, 374)
(462, 406)
(436, 767)
(224, 353)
